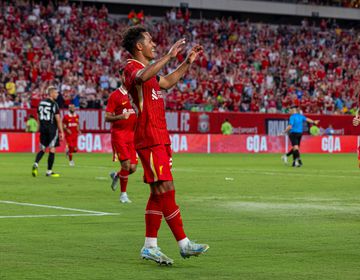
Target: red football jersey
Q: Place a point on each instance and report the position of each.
(148, 99)
(119, 103)
(71, 122)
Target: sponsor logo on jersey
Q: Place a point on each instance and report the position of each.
(155, 95)
(131, 111)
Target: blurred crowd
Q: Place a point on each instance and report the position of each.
(335, 3)
(338, 3)
(246, 67)
(69, 46)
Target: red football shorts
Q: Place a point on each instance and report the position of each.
(123, 150)
(156, 161)
(71, 141)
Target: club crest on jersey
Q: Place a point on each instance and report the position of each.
(155, 95)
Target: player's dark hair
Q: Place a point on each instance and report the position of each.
(131, 37)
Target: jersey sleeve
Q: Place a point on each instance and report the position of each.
(110, 107)
(65, 120)
(56, 109)
(304, 118)
(130, 71)
(291, 121)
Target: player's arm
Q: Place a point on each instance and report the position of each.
(38, 125)
(171, 79)
(59, 125)
(68, 131)
(151, 70)
(287, 129)
(111, 117)
(312, 121)
(38, 120)
(290, 125)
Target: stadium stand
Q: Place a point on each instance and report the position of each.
(336, 3)
(246, 67)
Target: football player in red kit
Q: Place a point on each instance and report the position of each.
(152, 141)
(122, 116)
(72, 130)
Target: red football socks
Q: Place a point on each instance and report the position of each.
(172, 215)
(153, 215)
(70, 153)
(123, 175)
(163, 204)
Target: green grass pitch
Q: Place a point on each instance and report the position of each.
(262, 220)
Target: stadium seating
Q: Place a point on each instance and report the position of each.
(336, 3)
(246, 67)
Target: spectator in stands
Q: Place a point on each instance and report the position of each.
(247, 67)
(5, 101)
(141, 17)
(329, 130)
(11, 87)
(132, 17)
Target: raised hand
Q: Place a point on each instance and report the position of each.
(193, 53)
(177, 48)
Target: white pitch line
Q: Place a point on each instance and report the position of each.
(63, 215)
(54, 207)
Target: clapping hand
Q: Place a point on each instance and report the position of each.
(193, 53)
(177, 48)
